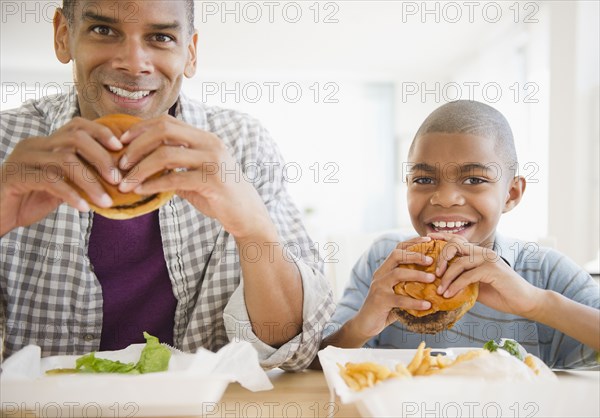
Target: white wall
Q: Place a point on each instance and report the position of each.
(372, 52)
(573, 128)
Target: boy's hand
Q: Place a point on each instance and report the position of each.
(375, 315)
(500, 287)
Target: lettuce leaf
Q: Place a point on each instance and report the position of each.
(508, 345)
(154, 358)
(90, 364)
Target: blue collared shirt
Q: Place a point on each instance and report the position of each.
(542, 267)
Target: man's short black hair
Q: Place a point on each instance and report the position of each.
(472, 118)
(68, 10)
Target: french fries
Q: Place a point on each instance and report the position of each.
(365, 375)
(359, 376)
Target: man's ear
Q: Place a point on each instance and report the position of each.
(516, 189)
(61, 37)
(190, 65)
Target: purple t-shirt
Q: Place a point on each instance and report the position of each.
(128, 259)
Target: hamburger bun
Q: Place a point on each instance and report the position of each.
(444, 312)
(125, 205)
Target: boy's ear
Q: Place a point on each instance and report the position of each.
(516, 188)
(61, 37)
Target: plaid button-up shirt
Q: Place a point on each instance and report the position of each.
(50, 296)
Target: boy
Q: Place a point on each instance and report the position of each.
(460, 180)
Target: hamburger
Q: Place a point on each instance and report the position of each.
(444, 312)
(125, 205)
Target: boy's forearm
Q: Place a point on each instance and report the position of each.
(572, 318)
(346, 337)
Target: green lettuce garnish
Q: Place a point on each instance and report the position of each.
(154, 358)
(90, 364)
(508, 345)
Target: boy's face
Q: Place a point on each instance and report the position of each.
(457, 184)
(129, 56)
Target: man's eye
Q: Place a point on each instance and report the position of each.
(102, 30)
(423, 180)
(162, 38)
(474, 180)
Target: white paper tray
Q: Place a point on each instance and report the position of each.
(193, 384)
(472, 394)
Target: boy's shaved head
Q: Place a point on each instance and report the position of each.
(472, 118)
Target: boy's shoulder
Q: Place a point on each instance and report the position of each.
(526, 254)
(386, 242)
(545, 267)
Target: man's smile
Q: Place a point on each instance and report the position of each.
(128, 94)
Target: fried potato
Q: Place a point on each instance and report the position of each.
(353, 384)
(417, 359)
(425, 363)
(530, 362)
(470, 355)
(443, 362)
(401, 370)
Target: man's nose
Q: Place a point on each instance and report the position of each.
(447, 195)
(134, 57)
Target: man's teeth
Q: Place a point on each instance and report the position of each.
(449, 226)
(134, 95)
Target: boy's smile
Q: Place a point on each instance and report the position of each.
(458, 184)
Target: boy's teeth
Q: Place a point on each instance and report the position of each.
(449, 226)
(134, 95)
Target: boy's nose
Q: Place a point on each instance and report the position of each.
(447, 196)
(133, 57)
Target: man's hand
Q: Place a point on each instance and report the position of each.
(500, 287)
(40, 172)
(207, 176)
(375, 314)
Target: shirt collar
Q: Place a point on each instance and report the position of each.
(191, 112)
(505, 248)
(60, 112)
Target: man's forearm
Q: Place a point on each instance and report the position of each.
(272, 288)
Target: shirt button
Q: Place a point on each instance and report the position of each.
(89, 337)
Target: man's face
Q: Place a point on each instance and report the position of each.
(129, 56)
(457, 185)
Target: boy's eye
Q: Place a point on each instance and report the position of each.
(475, 180)
(102, 30)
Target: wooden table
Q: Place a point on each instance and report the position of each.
(302, 394)
(306, 394)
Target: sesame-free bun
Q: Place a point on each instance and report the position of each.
(444, 312)
(125, 205)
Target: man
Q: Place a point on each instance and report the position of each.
(224, 259)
